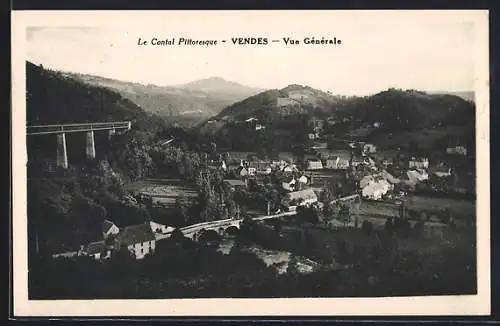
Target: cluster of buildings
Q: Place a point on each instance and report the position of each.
(138, 240)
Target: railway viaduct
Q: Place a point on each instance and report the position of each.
(60, 130)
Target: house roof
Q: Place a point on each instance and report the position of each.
(235, 182)
(96, 247)
(241, 168)
(259, 164)
(136, 234)
(443, 169)
(107, 225)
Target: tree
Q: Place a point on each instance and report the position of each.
(344, 214)
(367, 227)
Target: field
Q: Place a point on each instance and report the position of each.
(164, 191)
(460, 208)
(425, 138)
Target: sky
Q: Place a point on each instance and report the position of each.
(430, 53)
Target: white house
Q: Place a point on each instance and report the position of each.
(311, 136)
(242, 171)
(457, 150)
(304, 197)
(337, 163)
(303, 179)
(160, 228)
(98, 250)
(251, 119)
(260, 167)
(314, 165)
(418, 163)
(251, 170)
(369, 148)
(109, 228)
(137, 239)
(290, 168)
(442, 171)
(376, 189)
(417, 175)
(289, 184)
(218, 164)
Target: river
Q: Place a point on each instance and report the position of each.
(277, 258)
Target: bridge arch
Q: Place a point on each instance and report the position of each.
(207, 235)
(232, 230)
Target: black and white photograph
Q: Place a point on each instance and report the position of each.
(251, 155)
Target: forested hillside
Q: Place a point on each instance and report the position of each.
(67, 207)
(285, 114)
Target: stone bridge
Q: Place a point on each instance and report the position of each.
(222, 227)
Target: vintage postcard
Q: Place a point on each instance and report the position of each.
(250, 163)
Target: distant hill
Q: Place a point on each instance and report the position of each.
(468, 96)
(219, 87)
(273, 105)
(184, 104)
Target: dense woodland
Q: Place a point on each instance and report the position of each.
(444, 117)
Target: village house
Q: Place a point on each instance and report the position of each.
(160, 228)
(387, 162)
(376, 189)
(441, 171)
(165, 142)
(278, 164)
(108, 229)
(417, 175)
(337, 162)
(260, 167)
(303, 179)
(251, 119)
(418, 163)
(304, 197)
(316, 124)
(356, 162)
(137, 239)
(457, 150)
(302, 182)
(254, 123)
(319, 146)
(312, 136)
(331, 121)
(369, 148)
(314, 165)
(289, 183)
(98, 250)
(242, 171)
(290, 168)
(217, 164)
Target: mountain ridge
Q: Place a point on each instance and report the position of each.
(186, 104)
